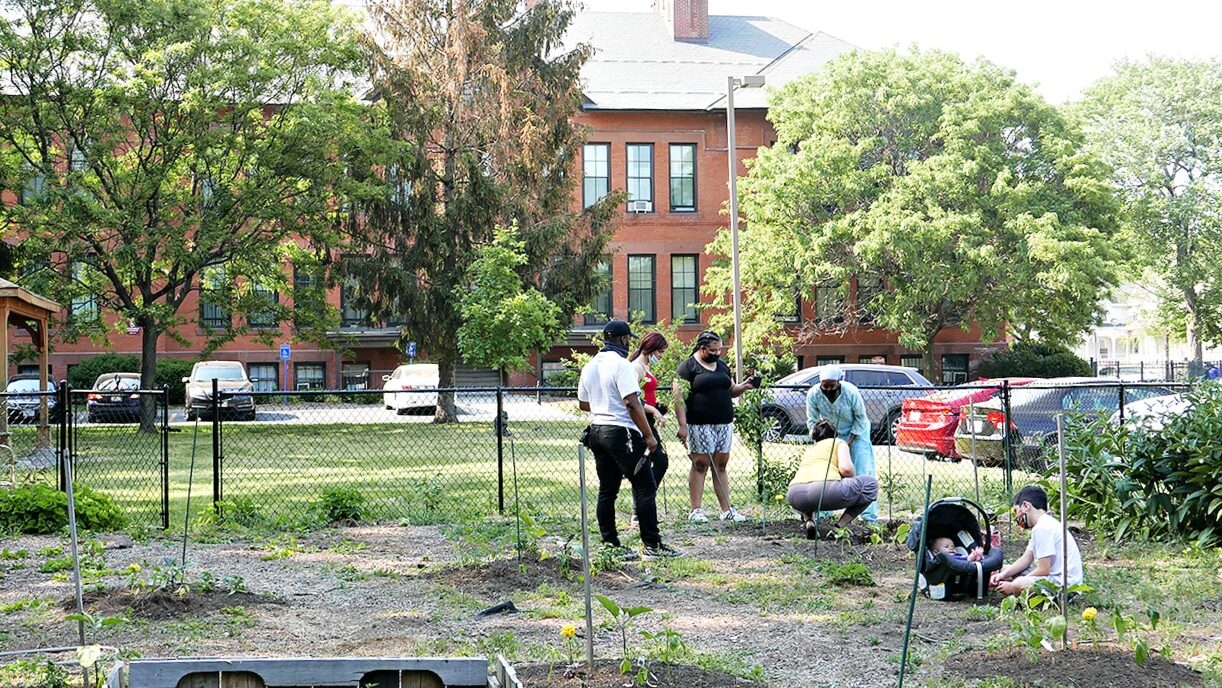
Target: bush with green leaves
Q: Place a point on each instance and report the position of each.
(1139, 482)
(1034, 359)
(41, 509)
(170, 372)
(342, 504)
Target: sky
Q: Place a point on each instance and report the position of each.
(1059, 46)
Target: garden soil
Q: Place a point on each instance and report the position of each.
(1082, 668)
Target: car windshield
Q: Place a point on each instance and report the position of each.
(1026, 395)
(121, 383)
(220, 371)
(27, 386)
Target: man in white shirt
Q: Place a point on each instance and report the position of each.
(1046, 557)
(620, 438)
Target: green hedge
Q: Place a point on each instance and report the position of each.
(42, 509)
(1034, 360)
(170, 372)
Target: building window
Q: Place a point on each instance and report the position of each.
(307, 296)
(265, 376)
(355, 375)
(34, 187)
(684, 293)
(640, 172)
(264, 318)
(350, 315)
(877, 359)
(869, 289)
(213, 306)
(83, 308)
(683, 177)
(911, 361)
(954, 369)
(828, 360)
(601, 307)
(310, 376)
(829, 304)
(795, 314)
(642, 294)
(596, 173)
(400, 187)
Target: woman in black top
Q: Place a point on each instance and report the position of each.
(706, 422)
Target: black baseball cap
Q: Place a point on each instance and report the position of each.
(617, 328)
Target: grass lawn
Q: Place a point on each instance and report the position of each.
(439, 473)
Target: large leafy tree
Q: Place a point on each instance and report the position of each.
(164, 147)
(1159, 123)
(476, 118)
(958, 188)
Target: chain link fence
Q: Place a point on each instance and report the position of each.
(30, 437)
(307, 450)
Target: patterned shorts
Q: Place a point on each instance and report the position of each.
(709, 439)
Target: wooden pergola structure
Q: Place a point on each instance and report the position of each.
(30, 312)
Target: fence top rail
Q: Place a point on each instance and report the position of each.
(113, 392)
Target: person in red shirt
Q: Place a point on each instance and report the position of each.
(647, 353)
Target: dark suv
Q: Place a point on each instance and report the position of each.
(24, 400)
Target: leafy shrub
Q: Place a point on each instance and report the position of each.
(1034, 359)
(851, 573)
(41, 509)
(342, 504)
(170, 372)
(240, 510)
(1135, 482)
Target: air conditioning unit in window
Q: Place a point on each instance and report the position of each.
(640, 206)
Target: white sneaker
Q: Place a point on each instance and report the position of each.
(697, 516)
(732, 515)
(633, 523)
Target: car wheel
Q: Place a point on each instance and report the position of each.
(190, 414)
(90, 418)
(891, 427)
(776, 425)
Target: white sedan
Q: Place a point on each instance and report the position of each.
(1153, 413)
(411, 386)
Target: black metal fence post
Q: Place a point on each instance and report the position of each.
(499, 426)
(65, 413)
(1007, 439)
(165, 457)
(216, 447)
(1120, 394)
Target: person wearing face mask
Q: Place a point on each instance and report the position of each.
(647, 353)
(620, 438)
(706, 422)
(1045, 556)
(840, 403)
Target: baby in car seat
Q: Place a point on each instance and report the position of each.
(947, 546)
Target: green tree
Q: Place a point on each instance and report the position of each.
(957, 188)
(475, 129)
(165, 147)
(503, 322)
(1159, 124)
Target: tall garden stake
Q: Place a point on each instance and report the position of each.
(70, 478)
(920, 559)
(1064, 532)
(585, 557)
(517, 506)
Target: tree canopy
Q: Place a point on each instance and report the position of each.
(1159, 124)
(957, 191)
(161, 148)
(476, 129)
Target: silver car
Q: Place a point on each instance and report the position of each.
(888, 386)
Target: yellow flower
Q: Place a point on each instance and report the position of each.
(133, 568)
(1089, 613)
(544, 555)
(780, 498)
(569, 631)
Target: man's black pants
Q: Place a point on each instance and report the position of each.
(617, 453)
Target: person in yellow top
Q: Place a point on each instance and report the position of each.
(826, 481)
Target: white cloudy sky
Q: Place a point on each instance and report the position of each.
(1062, 45)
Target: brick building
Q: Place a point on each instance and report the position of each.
(655, 107)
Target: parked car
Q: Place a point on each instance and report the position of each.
(785, 409)
(927, 425)
(25, 401)
(1153, 413)
(232, 382)
(400, 391)
(1033, 410)
(113, 398)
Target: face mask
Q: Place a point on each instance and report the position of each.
(712, 358)
(653, 358)
(1020, 518)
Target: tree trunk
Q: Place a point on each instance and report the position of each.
(148, 375)
(447, 408)
(929, 363)
(1196, 367)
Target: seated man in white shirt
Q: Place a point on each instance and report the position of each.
(1045, 557)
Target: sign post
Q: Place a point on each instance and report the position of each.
(411, 352)
(286, 352)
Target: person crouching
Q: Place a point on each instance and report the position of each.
(826, 481)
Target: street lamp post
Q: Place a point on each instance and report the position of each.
(752, 81)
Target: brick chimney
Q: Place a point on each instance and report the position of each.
(688, 19)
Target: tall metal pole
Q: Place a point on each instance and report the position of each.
(731, 145)
(585, 557)
(1064, 530)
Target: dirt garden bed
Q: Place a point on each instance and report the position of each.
(1082, 668)
(607, 675)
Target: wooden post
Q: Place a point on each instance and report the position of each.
(41, 340)
(4, 433)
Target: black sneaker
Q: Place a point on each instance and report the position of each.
(662, 551)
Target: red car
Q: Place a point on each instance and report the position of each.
(927, 424)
